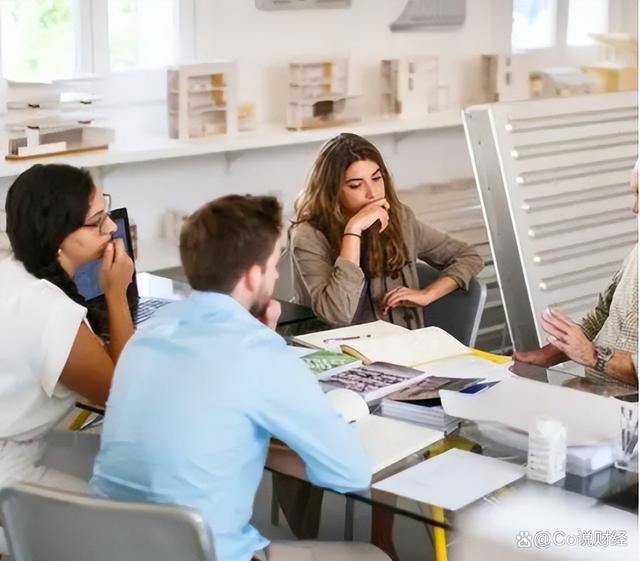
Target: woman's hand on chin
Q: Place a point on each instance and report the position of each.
(117, 269)
(368, 215)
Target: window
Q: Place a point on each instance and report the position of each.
(586, 16)
(545, 24)
(142, 33)
(534, 24)
(56, 39)
(38, 39)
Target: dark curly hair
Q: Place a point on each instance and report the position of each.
(44, 205)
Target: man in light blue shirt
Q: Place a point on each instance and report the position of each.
(197, 394)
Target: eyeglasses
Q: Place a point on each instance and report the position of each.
(100, 224)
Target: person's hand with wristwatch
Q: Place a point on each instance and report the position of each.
(603, 356)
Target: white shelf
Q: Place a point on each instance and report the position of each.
(149, 147)
(204, 90)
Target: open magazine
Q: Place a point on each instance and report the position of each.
(375, 380)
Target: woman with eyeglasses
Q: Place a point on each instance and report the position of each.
(57, 220)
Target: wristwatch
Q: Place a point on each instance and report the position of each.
(603, 355)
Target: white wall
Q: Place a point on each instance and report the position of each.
(150, 188)
(263, 43)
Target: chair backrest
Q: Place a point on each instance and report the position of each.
(43, 524)
(459, 312)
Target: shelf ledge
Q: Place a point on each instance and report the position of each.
(152, 147)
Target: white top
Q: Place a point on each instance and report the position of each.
(38, 324)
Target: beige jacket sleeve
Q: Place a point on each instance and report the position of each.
(454, 258)
(333, 287)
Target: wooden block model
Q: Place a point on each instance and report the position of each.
(560, 82)
(202, 100)
(409, 86)
(318, 95)
(617, 69)
(505, 77)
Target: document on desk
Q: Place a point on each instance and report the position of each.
(516, 402)
(452, 479)
(386, 441)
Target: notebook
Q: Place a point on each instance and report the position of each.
(386, 441)
(380, 341)
(87, 277)
(407, 349)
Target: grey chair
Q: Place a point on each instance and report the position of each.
(44, 524)
(458, 313)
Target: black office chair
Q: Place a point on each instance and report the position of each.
(458, 313)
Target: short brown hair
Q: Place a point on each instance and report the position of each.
(227, 236)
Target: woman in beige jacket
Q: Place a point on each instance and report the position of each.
(354, 246)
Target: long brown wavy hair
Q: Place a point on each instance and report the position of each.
(384, 252)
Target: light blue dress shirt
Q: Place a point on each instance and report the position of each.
(195, 398)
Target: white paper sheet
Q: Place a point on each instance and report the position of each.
(386, 441)
(516, 402)
(452, 480)
(467, 366)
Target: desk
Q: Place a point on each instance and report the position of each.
(611, 492)
(610, 497)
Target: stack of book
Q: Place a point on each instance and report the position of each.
(432, 417)
(420, 403)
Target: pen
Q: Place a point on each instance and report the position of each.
(352, 338)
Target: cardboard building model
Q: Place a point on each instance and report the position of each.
(318, 94)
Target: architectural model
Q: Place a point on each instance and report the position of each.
(505, 77)
(202, 99)
(57, 137)
(617, 69)
(318, 94)
(53, 122)
(409, 86)
(560, 82)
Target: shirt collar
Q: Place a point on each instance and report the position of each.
(220, 303)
